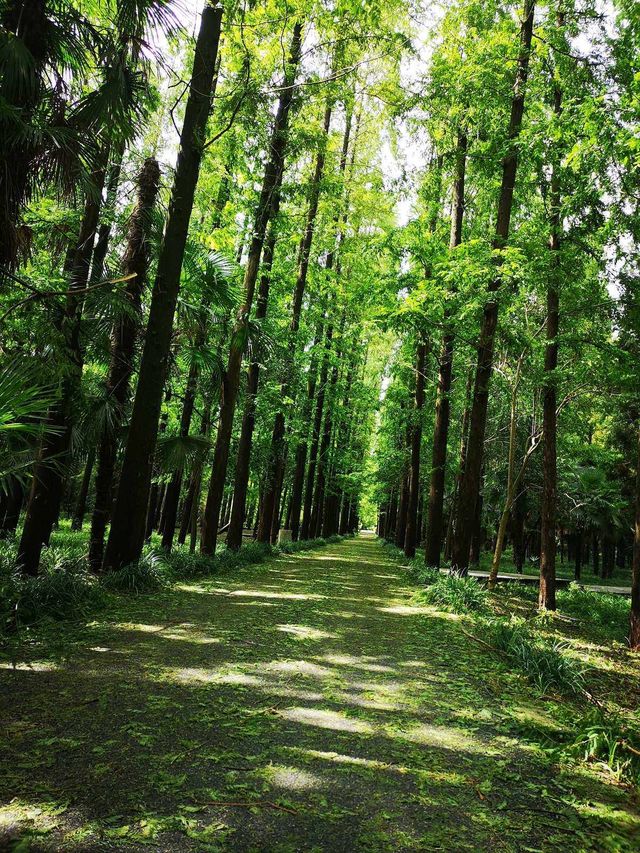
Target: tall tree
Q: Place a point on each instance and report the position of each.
(470, 485)
(270, 187)
(126, 536)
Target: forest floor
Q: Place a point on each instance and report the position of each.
(302, 705)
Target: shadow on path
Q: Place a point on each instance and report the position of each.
(304, 705)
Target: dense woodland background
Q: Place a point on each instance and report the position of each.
(312, 266)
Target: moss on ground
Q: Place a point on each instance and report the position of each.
(304, 704)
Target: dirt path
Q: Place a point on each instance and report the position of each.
(303, 705)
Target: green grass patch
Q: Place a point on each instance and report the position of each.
(458, 595)
(545, 663)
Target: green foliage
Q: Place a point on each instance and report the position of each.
(608, 611)
(459, 595)
(546, 664)
(63, 590)
(419, 572)
(149, 574)
(607, 739)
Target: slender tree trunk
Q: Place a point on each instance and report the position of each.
(435, 518)
(270, 187)
(172, 497)
(416, 443)
(123, 339)
(81, 503)
(325, 446)
(234, 534)
(401, 518)
(634, 620)
(104, 232)
(306, 531)
(51, 467)
(547, 594)
(579, 548)
(15, 499)
(126, 537)
(470, 485)
(192, 500)
(275, 473)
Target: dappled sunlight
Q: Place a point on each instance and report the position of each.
(291, 778)
(367, 663)
(221, 721)
(298, 667)
(445, 737)
(30, 666)
(304, 632)
(324, 719)
(405, 610)
(261, 593)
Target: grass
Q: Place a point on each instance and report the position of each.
(458, 595)
(66, 589)
(548, 664)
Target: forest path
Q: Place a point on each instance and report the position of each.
(302, 705)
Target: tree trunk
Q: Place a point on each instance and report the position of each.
(470, 485)
(15, 499)
(634, 621)
(578, 553)
(275, 470)
(231, 381)
(123, 340)
(306, 530)
(51, 467)
(416, 444)
(435, 517)
(126, 537)
(192, 500)
(81, 502)
(547, 595)
(234, 534)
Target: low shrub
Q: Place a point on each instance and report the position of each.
(608, 611)
(545, 663)
(459, 595)
(149, 574)
(185, 564)
(419, 572)
(607, 740)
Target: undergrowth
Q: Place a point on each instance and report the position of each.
(66, 589)
(545, 663)
(459, 595)
(607, 740)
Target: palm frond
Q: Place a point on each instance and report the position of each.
(174, 452)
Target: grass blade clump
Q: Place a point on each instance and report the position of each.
(546, 664)
(605, 738)
(458, 595)
(149, 574)
(419, 572)
(608, 611)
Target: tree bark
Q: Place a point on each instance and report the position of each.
(126, 537)
(634, 619)
(236, 523)
(306, 530)
(123, 340)
(416, 443)
(547, 593)
(81, 502)
(435, 517)
(51, 467)
(470, 485)
(275, 471)
(231, 381)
